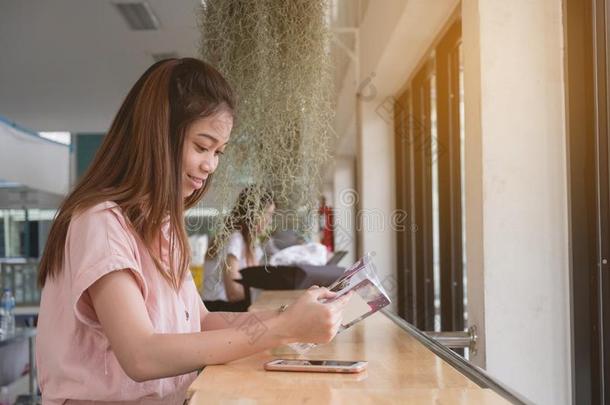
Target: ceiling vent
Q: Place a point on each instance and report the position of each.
(138, 15)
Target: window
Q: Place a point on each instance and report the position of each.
(429, 143)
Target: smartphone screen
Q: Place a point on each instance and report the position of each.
(327, 363)
(320, 366)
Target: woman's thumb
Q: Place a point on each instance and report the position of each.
(322, 293)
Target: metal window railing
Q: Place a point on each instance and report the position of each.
(457, 339)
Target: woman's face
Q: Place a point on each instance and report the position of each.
(265, 220)
(205, 141)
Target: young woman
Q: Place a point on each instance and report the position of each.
(248, 220)
(120, 318)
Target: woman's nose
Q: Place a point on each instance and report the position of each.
(208, 164)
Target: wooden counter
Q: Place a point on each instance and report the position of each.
(400, 370)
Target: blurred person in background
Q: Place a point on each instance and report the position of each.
(248, 221)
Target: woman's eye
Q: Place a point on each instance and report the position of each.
(200, 148)
(218, 152)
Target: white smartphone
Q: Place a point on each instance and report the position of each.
(319, 366)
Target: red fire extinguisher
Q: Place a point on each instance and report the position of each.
(326, 225)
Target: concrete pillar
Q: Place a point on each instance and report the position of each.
(517, 221)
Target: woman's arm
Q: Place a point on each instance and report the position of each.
(222, 320)
(145, 355)
(234, 290)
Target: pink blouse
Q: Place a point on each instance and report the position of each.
(76, 364)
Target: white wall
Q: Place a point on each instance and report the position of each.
(377, 193)
(33, 161)
(345, 207)
(520, 103)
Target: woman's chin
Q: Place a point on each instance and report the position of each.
(188, 193)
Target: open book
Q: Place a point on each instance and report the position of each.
(368, 298)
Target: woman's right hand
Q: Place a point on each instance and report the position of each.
(311, 321)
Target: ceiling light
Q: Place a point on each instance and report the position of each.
(138, 15)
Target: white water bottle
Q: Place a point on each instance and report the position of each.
(7, 316)
(4, 396)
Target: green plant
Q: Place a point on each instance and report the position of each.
(276, 55)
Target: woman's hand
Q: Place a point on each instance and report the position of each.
(309, 320)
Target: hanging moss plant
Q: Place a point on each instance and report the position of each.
(275, 53)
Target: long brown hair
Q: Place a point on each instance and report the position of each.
(139, 163)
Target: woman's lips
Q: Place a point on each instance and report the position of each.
(196, 182)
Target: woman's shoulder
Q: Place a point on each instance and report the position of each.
(236, 236)
(235, 245)
(101, 231)
(103, 207)
(100, 216)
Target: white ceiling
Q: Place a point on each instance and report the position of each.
(66, 65)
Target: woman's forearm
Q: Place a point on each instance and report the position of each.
(165, 355)
(223, 320)
(234, 290)
(144, 354)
